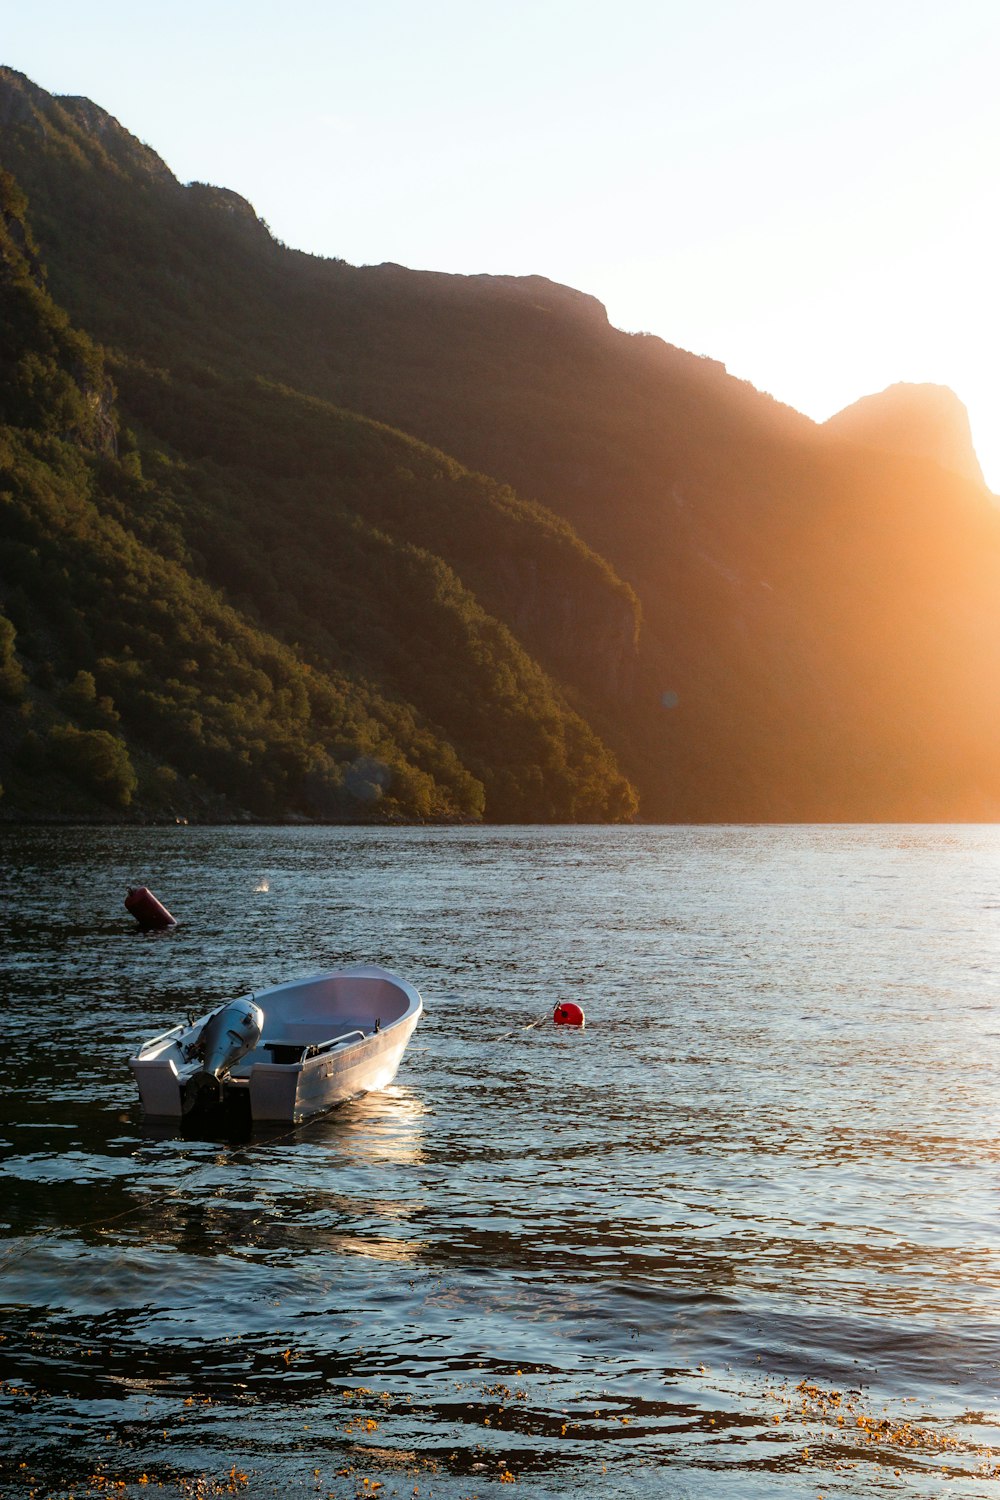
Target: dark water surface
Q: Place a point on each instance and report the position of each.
(597, 1263)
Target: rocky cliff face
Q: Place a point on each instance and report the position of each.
(590, 638)
(76, 121)
(17, 99)
(23, 104)
(121, 147)
(915, 421)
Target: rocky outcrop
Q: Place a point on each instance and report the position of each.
(16, 99)
(915, 421)
(589, 638)
(25, 106)
(222, 204)
(125, 150)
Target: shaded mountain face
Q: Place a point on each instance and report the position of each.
(818, 619)
(268, 618)
(917, 421)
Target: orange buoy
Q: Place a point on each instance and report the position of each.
(148, 912)
(568, 1014)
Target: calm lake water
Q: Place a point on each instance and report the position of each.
(737, 1238)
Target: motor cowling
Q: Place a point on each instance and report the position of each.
(225, 1037)
(229, 1035)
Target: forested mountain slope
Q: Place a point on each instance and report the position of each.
(136, 672)
(819, 632)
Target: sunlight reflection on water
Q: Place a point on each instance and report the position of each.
(602, 1258)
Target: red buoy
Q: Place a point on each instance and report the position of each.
(148, 912)
(568, 1014)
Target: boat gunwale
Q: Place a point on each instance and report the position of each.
(414, 1008)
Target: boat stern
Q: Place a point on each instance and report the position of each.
(159, 1086)
(274, 1089)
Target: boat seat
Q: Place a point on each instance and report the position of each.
(282, 1052)
(308, 1033)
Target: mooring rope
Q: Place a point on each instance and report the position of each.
(527, 1025)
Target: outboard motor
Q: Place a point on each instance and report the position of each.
(225, 1037)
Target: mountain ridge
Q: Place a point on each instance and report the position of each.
(913, 420)
(796, 590)
(133, 682)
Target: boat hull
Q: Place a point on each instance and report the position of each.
(293, 1092)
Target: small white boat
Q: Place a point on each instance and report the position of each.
(289, 1052)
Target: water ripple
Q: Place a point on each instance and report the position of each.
(655, 1257)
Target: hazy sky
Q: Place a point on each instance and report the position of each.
(807, 192)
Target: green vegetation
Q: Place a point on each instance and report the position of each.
(12, 675)
(368, 542)
(249, 608)
(96, 760)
